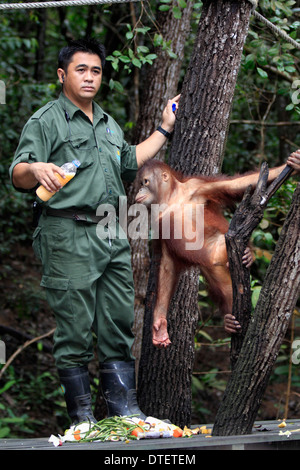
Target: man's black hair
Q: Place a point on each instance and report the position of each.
(90, 46)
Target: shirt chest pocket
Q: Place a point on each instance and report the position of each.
(81, 147)
(115, 145)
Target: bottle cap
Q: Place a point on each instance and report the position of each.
(76, 163)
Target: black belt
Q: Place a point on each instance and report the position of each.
(77, 216)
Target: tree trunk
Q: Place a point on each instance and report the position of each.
(203, 117)
(198, 145)
(161, 83)
(265, 333)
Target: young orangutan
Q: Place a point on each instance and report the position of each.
(192, 209)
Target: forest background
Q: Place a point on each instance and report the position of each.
(264, 127)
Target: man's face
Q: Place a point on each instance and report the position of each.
(83, 78)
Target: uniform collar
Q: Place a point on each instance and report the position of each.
(70, 108)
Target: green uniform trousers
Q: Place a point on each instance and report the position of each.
(89, 286)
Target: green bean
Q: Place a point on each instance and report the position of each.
(113, 428)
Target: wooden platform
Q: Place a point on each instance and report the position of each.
(265, 436)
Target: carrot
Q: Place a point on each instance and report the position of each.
(177, 432)
(76, 435)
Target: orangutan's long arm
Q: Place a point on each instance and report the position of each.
(167, 280)
(238, 185)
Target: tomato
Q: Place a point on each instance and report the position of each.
(177, 432)
(136, 431)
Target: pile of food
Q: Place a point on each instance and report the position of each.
(124, 428)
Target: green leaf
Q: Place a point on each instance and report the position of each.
(131, 53)
(136, 62)
(142, 49)
(129, 35)
(172, 54)
(143, 30)
(249, 62)
(111, 84)
(118, 86)
(4, 432)
(290, 69)
(281, 370)
(8, 384)
(262, 61)
(125, 59)
(289, 107)
(262, 72)
(158, 40)
(255, 295)
(182, 3)
(205, 335)
(164, 8)
(177, 13)
(151, 56)
(115, 65)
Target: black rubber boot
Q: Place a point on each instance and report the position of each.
(76, 386)
(119, 390)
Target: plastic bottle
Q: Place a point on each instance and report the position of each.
(70, 169)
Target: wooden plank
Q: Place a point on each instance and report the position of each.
(265, 436)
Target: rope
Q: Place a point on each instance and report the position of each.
(277, 31)
(63, 3)
(254, 3)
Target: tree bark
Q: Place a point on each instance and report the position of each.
(244, 221)
(265, 333)
(198, 145)
(209, 85)
(161, 84)
(246, 218)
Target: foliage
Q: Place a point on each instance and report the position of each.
(34, 392)
(266, 93)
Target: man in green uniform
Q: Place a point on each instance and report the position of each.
(88, 279)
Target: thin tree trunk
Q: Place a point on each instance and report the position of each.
(198, 145)
(246, 218)
(265, 333)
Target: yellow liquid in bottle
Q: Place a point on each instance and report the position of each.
(45, 195)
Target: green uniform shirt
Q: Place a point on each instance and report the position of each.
(60, 132)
